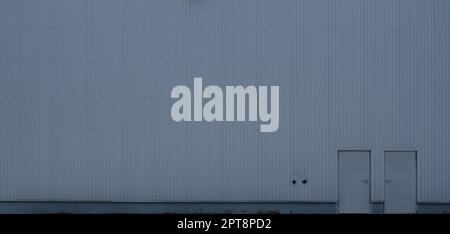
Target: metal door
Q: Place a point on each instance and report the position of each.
(400, 182)
(354, 181)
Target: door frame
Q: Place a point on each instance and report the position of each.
(416, 157)
(370, 174)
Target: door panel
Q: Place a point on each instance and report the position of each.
(400, 182)
(354, 181)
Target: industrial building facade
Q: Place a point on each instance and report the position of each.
(364, 106)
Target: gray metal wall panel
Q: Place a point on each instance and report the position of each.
(85, 96)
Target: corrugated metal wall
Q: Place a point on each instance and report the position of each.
(85, 96)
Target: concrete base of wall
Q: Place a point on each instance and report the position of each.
(191, 207)
(377, 207)
(166, 207)
(433, 208)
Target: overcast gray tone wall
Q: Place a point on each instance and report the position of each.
(85, 97)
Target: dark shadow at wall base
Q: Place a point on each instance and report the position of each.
(191, 208)
(168, 207)
(377, 207)
(433, 208)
